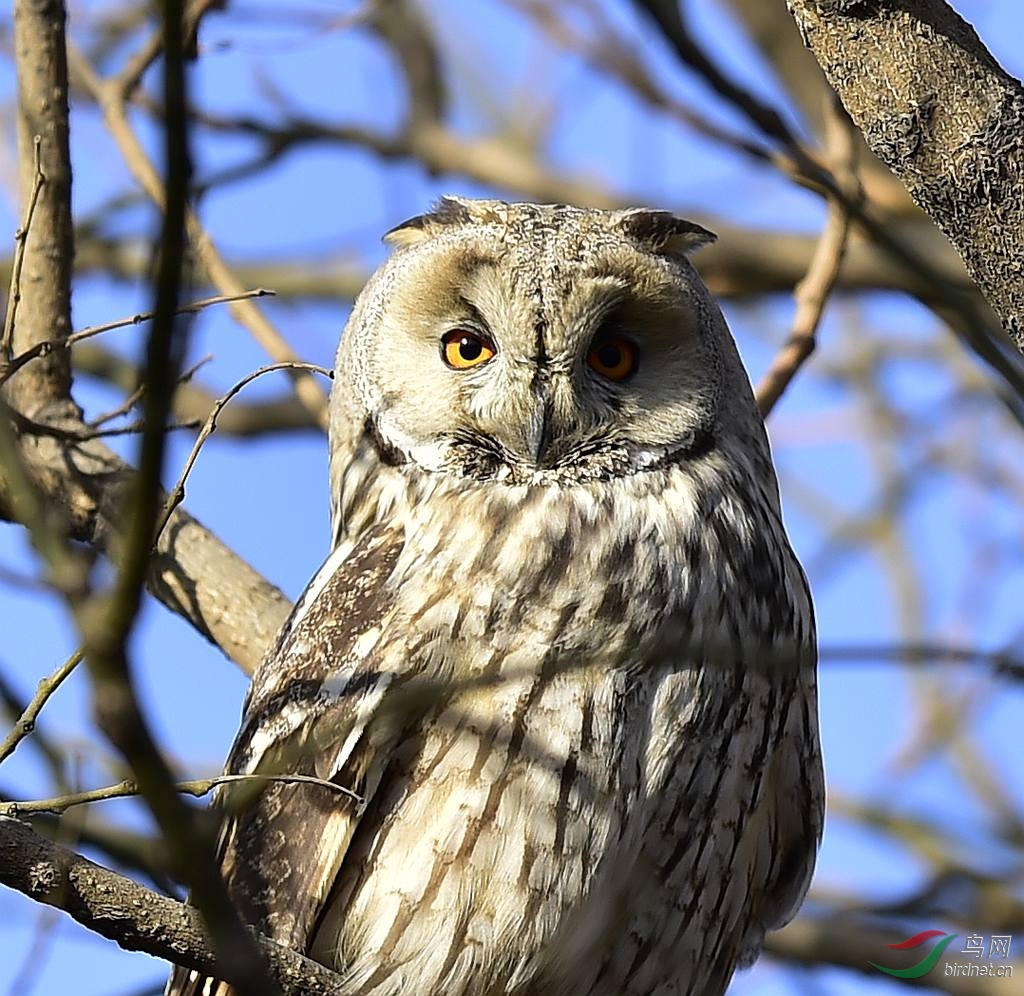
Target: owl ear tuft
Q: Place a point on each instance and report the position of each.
(447, 212)
(663, 232)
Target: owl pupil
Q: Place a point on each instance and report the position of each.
(609, 355)
(470, 349)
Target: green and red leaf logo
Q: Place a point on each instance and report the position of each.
(927, 963)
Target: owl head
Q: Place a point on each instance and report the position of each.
(539, 345)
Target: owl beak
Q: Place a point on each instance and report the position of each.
(546, 436)
(541, 433)
(531, 437)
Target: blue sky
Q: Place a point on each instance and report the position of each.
(269, 501)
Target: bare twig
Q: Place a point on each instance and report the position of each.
(669, 18)
(1002, 662)
(127, 788)
(135, 68)
(812, 293)
(177, 494)
(106, 621)
(185, 309)
(20, 238)
(194, 402)
(138, 389)
(133, 429)
(47, 346)
(611, 56)
(27, 721)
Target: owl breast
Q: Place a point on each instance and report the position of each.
(570, 773)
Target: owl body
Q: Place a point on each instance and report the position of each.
(562, 651)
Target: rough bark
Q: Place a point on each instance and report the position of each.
(133, 916)
(44, 288)
(935, 106)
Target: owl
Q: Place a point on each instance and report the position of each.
(556, 680)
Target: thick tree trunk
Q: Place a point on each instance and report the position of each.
(935, 106)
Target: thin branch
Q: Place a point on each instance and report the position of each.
(47, 346)
(813, 292)
(106, 622)
(136, 428)
(613, 58)
(127, 788)
(668, 15)
(138, 389)
(185, 309)
(137, 918)
(26, 722)
(20, 239)
(194, 402)
(177, 494)
(1003, 662)
(135, 68)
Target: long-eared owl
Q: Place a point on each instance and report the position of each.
(562, 653)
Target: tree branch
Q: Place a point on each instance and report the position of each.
(935, 106)
(193, 402)
(813, 291)
(133, 916)
(107, 619)
(43, 291)
(44, 347)
(197, 787)
(26, 721)
(192, 572)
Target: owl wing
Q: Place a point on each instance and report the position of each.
(308, 711)
(783, 834)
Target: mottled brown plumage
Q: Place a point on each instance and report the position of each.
(562, 649)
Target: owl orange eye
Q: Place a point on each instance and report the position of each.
(613, 357)
(462, 349)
